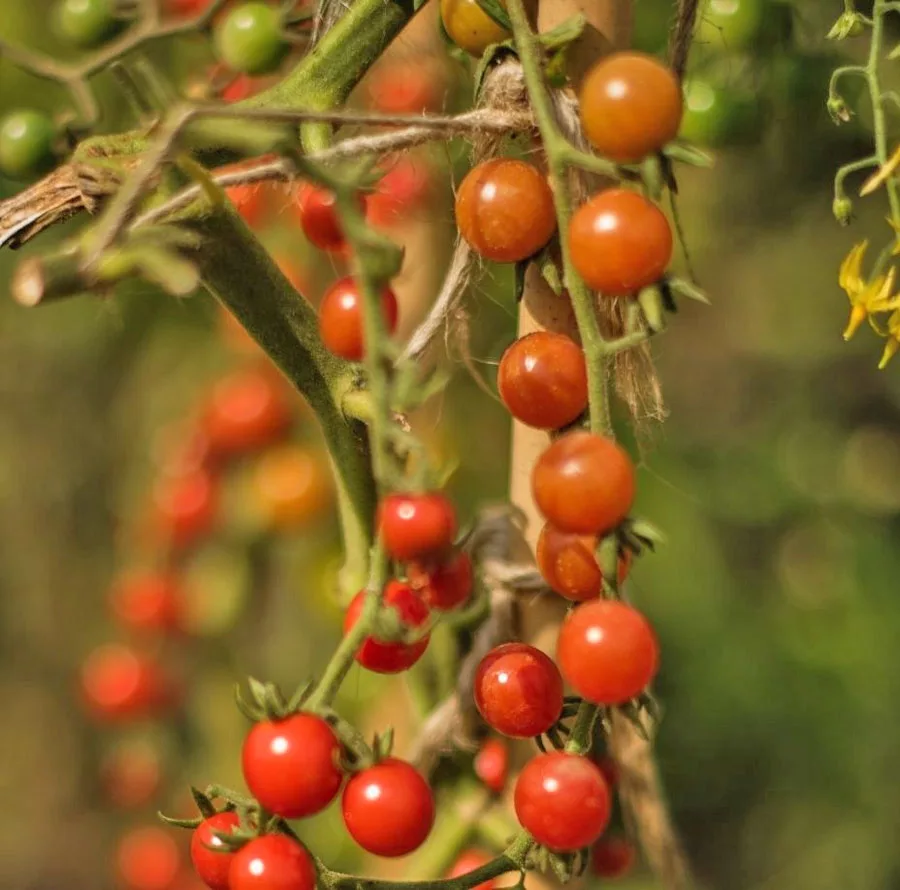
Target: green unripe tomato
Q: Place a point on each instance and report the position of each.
(26, 144)
(731, 25)
(86, 23)
(718, 116)
(249, 39)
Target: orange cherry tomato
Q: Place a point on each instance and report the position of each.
(291, 486)
(470, 27)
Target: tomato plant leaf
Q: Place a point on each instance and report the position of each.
(688, 289)
(651, 303)
(550, 271)
(564, 33)
(490, 57)
(495, 10)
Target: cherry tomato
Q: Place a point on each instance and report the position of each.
(584, 483)
(386, 657)
(26, 144)
(272, 862)
(211, 857)
(388, 808)
(249, 38)
(612, 857)
(607, 652)
(407, 86)
(504, 210)
(446, 585)
(241, 87)
(569, 565)
(291, 766)
(148, 859)
(86, 23)
(492, 764)
(249, 200)
(470, 27)
(131, 775)
(248, 410)
(121, 684)
(620, 242)
(291, 486)
(407, 184)
(148, 602)
(542, 380)
(518, 690)
(630, 106)
(186, 507)
(341, 318)
(416, 526)
(563, 800)
(316, 210)
(468, 861)
(731, 25)
(185, 8)
(717, 117)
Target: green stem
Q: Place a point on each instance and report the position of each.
(582, 736)
(879, 123)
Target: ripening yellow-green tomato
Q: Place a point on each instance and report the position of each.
(470, 27)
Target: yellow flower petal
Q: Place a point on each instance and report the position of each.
(890, 350)
(849, 274)
(858, 315)
(882, 174)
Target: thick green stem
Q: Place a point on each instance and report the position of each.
(879, 124)
(239, 272)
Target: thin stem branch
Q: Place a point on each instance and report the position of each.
(879, 123)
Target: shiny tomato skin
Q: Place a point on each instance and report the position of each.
(388, 808)
(620, 242)
(445, 585)
(148, 859)
(470, 27)
(248, 410)
(416, 526)
(613, 857)
(148, 602)
(518, 690)
(584, 483)
(391, 657)
(607, 652)
(491, 764)
(316, 210)
(504, 210)
(563, 800)
(291, 766)
(468, 861)
(272, 862)
(569, 565)
(212, 865)
(542, 379)
(630, 106)
(120, 684)
(341, 318)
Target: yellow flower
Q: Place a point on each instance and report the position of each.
(866, 297)
(893, 343)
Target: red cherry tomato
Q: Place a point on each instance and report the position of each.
(444, 586)
(248, 410)
(272, 862)
(630, 106)
(131, 775)
(468, 861)
(148, 602)
(518, 690)
(250, 202)
(619, 242)
(391, 657)
(607, 652)
(542, 380)
(388, 808)
(416, 526)
(406, 185)
(148, 859)
(211, 857)
(186, 507)
(341, 318)
(492, 764)
(291, 766)
(121, 684)
(504, 210)
(242, 87)
(407, 87)
(584, 483)
(568, 563)
(317, 213)
(185, 8)
(563, 800)
(612, 857)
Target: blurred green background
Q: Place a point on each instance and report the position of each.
(776, 477)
